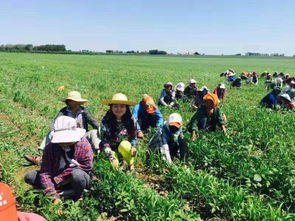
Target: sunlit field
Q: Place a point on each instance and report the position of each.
(248, 176)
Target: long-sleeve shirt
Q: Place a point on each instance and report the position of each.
(270, 100)
(83, 118)
(111, 139)
(201, 120)
(81, 152)
(138, 112)
(190, 91)
(162, 139)
(220, 93)
(166, 98)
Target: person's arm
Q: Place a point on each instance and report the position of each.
(135, 113)
(84, 163)
(106, 138)
(45, 176)
(90, 120)
(194, 126)
(162, 96)
(159, 118)
(193, 104)
(164, 148)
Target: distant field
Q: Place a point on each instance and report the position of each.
(250, 176)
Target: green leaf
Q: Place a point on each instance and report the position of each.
(257, 178)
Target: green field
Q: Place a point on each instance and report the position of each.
(248, 176)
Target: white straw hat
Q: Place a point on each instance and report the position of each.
(118, 99)
(75, 96)
(66, 131)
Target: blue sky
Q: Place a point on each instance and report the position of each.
(211, 27)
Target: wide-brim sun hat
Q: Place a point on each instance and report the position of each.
(66, 131)
(204, 88)
(175, 120)
(180, 87)
(75, 96)
(222, 86)
(118, 98)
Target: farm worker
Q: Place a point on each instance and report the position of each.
(286, 79)
(285, 101)
(268, 81)
(236, 83)
(169, 139)
(146, 115)
(66, 164)
(118, 131)
(8, 210)
(244, 75)
(289, 87)
(208, 117)
(83, 118)
(264, 74)
(220, 91)
(198, 98)
(231, 77)
(191, 89)
(271, 99)
(179, 91)
(167, 96)
(254, 78)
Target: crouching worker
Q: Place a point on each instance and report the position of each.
(169, 139)
(146, 115)
(271, 99)
(66, 163)
(83, 118)
(207, 117)
(167, 96)
(118, 131)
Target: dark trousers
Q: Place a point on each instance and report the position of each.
(71, 188)
(181, 147)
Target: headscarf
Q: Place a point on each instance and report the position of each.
(211, 97)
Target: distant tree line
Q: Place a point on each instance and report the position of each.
(30, 47)
(264, 54)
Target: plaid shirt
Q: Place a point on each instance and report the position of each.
(50, 173)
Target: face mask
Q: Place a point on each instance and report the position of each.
(173, 129)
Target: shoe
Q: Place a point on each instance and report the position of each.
(35, 159)
(140, 135)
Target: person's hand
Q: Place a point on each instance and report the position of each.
(57, 206)
(193, 136)
(140, 135)
(57, 180)
(133, 152)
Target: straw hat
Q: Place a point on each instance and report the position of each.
(7, 203)
(118, 99)
(66, 131)
(75, 96)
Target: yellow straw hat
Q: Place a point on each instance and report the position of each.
(118, 99)
(75, 96)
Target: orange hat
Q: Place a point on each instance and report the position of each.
(7, 204)
(211, 97)
(149, 104)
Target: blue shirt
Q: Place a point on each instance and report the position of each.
(138, 112)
